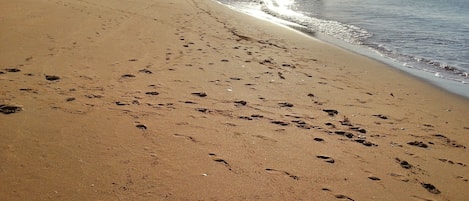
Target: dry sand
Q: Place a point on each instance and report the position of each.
(187, 100)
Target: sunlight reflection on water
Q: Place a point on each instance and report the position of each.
(283, 7)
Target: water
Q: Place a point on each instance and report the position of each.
(428, 38)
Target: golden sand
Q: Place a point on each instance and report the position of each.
(188, 100)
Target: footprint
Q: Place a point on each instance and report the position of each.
(127, 76)
(449, 141)
(235, 78)
(366, 143)
(240, 103)
(346, 134)
(219, 160)
(358, 129)
(52, 77)
(245, 118)
(258, 116)
(344, 197)
(404, 164)
(318, 139)
(381, 116)
(399, 177)
(293, 116)
(93, 96)
(451, 162)
(146, 71)
(121, 103)
(12, 70)
(302, 124)
(418, 144)
(430, 188)
(326, 158)
(10, 109)
(330, 124)
(428, 125)
(331, 112)
(152, 93)
(283, 172)
(200, 94)
(281, 123)
(285, 104)
(185, 136)
(203, 110)
(462, 178)
(141, 126)
(280, 75)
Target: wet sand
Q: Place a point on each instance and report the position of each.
(188, 100)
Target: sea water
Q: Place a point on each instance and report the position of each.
(427, 38)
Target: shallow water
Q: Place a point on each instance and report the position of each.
(428, 38)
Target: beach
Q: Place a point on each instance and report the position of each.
(189, 100)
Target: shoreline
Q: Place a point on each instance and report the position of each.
(190, 100)
(449, 84)
(452, 86)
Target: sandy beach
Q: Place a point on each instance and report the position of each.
(189, 100)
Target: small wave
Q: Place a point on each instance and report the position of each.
(409, 61)
(439, 66)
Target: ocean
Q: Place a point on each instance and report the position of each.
(426, 38)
